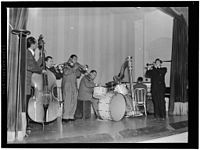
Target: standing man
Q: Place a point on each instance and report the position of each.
(56, 72)
(69, 87)
(49, 65)
(85, 97)
(33, 66)
(157, 75)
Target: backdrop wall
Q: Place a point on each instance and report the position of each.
(158, 39)
(101, 40)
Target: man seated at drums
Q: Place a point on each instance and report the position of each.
(140, 84)
(85, 97)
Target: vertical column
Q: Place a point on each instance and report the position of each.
(21, 74)
(139, 48)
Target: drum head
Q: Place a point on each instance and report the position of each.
(117, 107)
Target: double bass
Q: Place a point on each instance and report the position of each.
(43, 106)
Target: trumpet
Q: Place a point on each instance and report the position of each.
(160, 60)
(148, 65)
(152, 64)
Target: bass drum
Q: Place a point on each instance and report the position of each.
(112, 106)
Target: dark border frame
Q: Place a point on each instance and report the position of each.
(193, 49)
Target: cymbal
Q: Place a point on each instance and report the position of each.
(111, 83)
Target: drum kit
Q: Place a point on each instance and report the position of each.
(112, 105)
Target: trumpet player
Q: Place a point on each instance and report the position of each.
(157, 75)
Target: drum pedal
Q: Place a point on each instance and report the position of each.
(137, 114)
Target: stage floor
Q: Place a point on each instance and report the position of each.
(127, 130)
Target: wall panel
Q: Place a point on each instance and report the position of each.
(100, 39)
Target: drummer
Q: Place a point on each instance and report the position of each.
(85, 99)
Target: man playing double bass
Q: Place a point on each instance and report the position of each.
(33, 66)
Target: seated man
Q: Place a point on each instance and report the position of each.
(85, 97)
(140, 84)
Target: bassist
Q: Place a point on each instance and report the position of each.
(33, 66)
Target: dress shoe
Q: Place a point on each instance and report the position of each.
(28, 131)
(65, 120)
(72, 119)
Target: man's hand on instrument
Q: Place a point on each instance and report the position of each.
(149, 67)
(44, 71)
(97, 84)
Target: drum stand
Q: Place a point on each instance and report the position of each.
(136, 112)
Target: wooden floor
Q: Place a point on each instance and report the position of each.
(127, 130)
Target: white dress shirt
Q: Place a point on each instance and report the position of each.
(32, 52)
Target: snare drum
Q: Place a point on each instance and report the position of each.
(99, 92)
(112, 106)
(121, 88)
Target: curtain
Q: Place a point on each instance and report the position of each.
(179, 65)
(15, 91)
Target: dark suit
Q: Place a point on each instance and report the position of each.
(58, 75)
(32, 67)
(158, 90)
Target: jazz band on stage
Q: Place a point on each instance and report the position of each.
(113, 101)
